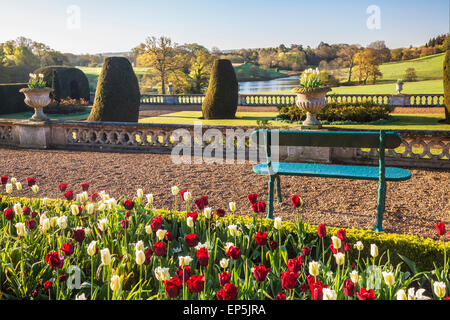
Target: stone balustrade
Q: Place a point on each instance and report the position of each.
(406, 100)
(418, 149)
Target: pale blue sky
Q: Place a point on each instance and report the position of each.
(115, 26)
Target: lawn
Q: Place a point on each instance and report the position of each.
(78, 116)
(405, 121)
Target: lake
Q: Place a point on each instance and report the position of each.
(280, 84)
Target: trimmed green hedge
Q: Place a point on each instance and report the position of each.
(343, 111)
(11, 100)
(424, 252)
(70, 82)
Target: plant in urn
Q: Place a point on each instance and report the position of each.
(311, 97)
(37, 96)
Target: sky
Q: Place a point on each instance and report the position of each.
(99, 26)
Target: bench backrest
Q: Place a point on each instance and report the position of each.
(346, 139)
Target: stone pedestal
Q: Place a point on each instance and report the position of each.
(32, 134)
(399, 100)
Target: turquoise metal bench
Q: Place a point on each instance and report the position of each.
(352, 139)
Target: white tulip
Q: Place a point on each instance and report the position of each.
(207, 213)
(277, 223)
(20, 228)
(53, 221)
(359, 246)
(418, 295)
(314, 268)
(184, 261)
(81, 297)
(160, 234)
(232, 228)
(439, 289)
(354, 276)
(190, 222)
(187, 196)
(18, 209)
(232, 206)
(329, 294)
(148, 229)
(336, 242)
(103, 224)
(401, 295)
(373, 250)
(74, 209)
(102, 207)
(18, 186)
(175, 190)
(139, 246)
(224, 263)
(162, 274)
(62, 222)
(149, 198)
(84, 196)
(90, 208)
(116, 283)
(140, 193)
(9, 188)
(92, 248)
(44, 224)
(228, 245)
(106, 256)
(340, 258)
(140, 257)
(41, 75)
(35, 188)
(78, 197)
(389, 278)
(13, 181)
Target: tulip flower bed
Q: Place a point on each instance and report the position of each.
(92, 246)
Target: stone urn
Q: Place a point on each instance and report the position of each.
(37, 98)
(311, 100)
(399, 87)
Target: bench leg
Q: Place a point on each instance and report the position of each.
(380, 207)
(278, 188)
(271, 185)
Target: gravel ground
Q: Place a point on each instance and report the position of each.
(412, 206)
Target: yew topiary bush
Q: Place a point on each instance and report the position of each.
(221, 99)
(447, 85)
(117, 97)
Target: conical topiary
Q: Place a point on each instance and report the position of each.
(117, 97)
(447, 85)
(221, 99)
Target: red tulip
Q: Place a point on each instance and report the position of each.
(203, 256)
(196, 284)
(253, 198)
(26, 211)
(229, 292)
(260, 272)
(295, 264)
(124, 223)
(296, 201)
(186, 270)
(201, 203)
(317, 290)
(79, 235)
(31, 224)
(259, 207)
(261, 238)
(220, 213)
(182, 192)
(281, 296)
(349, 288)
(234, 252)
(364, 294)
(193, 215)
(169, 236)
(289, 280)
(9, 214)
(273, 245)
(62, 187)
(191, 240)
(440, 228)
(31, 181)
(48, 285)
(128, 204)
(4, 179)
(69, 195)
(85, 186)
(54, 259)
(94, 196)
(342, 235)
(67, 248)
(306, 251)
(159, 248)
(156, 223)
(173, 287)
(224, 278)
(148, 255)
(321, 230)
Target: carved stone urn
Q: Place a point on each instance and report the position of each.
(311, 101)
(37, 98)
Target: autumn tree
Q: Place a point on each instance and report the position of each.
(367, 66)
(346, 57)
(162, 56)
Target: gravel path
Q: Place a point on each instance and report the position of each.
(412, 206)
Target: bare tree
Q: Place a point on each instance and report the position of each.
(347, 56)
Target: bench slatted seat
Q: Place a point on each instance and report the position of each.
(352, 139)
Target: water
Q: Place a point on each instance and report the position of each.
(281, 84)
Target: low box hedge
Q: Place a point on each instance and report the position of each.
(11, 100)
(424, 252)
(342, 111)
